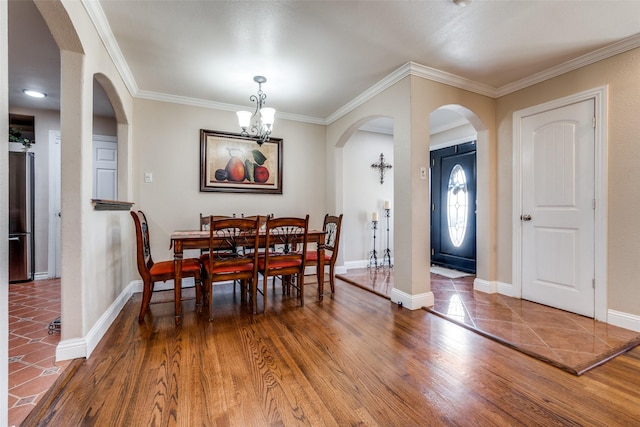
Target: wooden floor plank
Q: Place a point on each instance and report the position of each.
(352, 359)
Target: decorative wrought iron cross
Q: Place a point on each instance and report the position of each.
(382, 167)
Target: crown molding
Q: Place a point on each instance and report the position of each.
(574, 64)
(96, 14)
(435, 75)
(196, 102)
(414, 69)
(374, 90)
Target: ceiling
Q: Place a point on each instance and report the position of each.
(320, 57)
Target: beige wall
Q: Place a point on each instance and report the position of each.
(621, 74)
(167, 144)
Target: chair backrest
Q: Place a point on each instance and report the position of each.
(144, 260)
(261, 218)
(331, 228)
(287, 238)
(206, 219)
(232, 242)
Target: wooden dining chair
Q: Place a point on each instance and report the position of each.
(233, 252)
(261, 218)
(152, 272)
(206, 219)
(331, 228)
(287, 238)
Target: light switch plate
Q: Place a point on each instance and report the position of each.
(148, 177)
(423, 173)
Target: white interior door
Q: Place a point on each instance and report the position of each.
(558, 204)
(105, 168)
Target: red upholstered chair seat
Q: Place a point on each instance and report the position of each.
(312, 256)
(219, 269)
(278, 264)
(167, 267)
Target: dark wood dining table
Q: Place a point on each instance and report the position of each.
(199, 239)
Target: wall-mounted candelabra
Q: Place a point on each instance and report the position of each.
(386, 259)
(373, 258)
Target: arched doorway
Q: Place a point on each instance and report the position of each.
(453, 191)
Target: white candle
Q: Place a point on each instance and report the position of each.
(387, 205)
(374, 216)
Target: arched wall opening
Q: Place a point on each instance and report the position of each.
(363, 193)
(472, 126)
(485, 222)
(108, 107)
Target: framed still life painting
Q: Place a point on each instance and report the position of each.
(237, 164)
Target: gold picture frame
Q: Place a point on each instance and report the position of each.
(235, 163)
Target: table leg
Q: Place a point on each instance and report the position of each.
(320, 271)
(177, 259)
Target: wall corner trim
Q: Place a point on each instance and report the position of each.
(412, 302)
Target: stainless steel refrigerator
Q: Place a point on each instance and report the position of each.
(21, 217)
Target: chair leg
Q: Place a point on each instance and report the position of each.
(264, 294)
(332, 275)
(146, 298)
(210, 295)
(243, 290)
(198, 280)
(300, 281)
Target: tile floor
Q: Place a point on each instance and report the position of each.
(32, 366)
(569, 341)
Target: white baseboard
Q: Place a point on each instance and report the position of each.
(492, 287)
(412, 302)
(486, 286)
(74, 348)
(356, 264)
(340, 269)
(83, 347)
(623, 320)
(506, 289)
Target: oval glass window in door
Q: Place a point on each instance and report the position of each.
(457, 205)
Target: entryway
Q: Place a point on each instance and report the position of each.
(453, 207)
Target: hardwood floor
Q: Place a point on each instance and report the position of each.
(354, 358)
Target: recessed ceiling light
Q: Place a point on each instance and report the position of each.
(462, 3)
(34, 93)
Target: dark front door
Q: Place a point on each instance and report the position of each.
(453, 207)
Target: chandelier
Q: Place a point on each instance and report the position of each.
(258, 124)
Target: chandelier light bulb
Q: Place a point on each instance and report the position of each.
(258, 124)
(244, 119)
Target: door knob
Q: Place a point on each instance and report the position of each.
(525, 217)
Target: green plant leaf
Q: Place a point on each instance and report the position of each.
(258, 157)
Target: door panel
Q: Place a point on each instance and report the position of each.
(453, 207)
(105, 169)
(557, 207)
